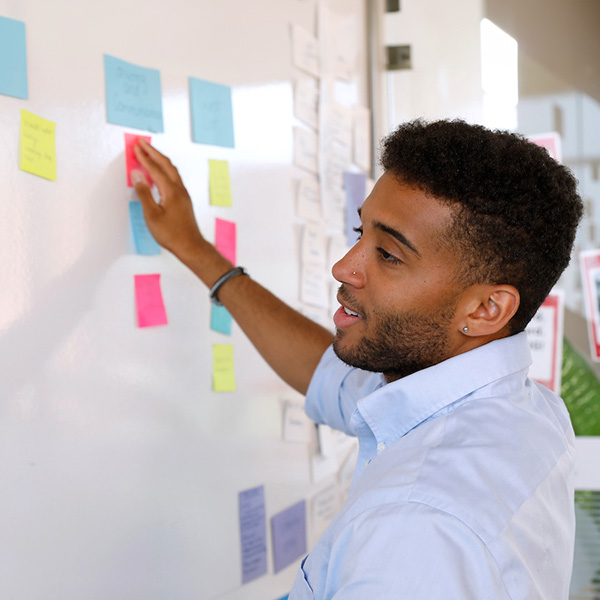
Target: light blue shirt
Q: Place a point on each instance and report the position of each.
(463, 487)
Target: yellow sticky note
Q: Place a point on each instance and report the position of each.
(219, 182)
(223, 371)
(38, 148)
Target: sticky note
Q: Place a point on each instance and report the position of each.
(355, 185)
(13, 58)
(219, 183)
(253, 533)
(149, 301)
(131, 162)
(38, 148)
(144, 242)
(288, 529)
(306, 144)
(305, 50)
(212, 113)
(225, 239)
(133, 95)
(223, 370)
(220, 319)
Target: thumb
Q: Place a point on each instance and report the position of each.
(142, 189)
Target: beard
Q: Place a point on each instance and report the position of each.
(399, 344)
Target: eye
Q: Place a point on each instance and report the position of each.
(387, 257)
(359, 231)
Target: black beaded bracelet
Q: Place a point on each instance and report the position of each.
(215, 288)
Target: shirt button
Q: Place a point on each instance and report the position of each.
(381, 447)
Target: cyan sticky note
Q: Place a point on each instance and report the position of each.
(220, 319)
(13, 58)
(133, 95)
(144, 242)
(212, 113)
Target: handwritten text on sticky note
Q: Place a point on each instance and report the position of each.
(38, 148)
(149, 301)
(212, 113)
(219, 183)
(223, 369)
(144, 242)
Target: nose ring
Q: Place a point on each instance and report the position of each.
(353, 272)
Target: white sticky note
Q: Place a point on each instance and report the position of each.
(297, 427)
(305, 51)
(306, 101)
(326, 440)
(314, 245)
(334, 206)
(314, 285)
(308, 200)
(338, 123)
(306, 149)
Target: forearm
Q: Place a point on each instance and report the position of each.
(291, 343)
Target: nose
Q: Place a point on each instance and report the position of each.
(350, 269)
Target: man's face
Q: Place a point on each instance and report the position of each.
(400, 280)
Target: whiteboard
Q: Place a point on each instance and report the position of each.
(120, 468)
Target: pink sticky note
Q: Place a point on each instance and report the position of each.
(149, 301)
(225, 238)
(131, 162)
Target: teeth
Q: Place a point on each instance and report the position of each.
(349, 312)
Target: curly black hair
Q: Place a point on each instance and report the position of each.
(516, 209)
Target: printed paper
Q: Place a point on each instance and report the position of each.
(288, 530)
(253, 533)
(308, 203)
(305, 149)
(305, 50)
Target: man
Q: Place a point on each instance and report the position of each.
(463, 485)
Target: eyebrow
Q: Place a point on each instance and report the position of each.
(395, 234)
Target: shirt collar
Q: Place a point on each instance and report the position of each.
(396, 408)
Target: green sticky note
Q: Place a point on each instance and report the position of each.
(38, 148)
(219, 183)
(223, 370)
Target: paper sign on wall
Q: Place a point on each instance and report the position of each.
(305, 50)
(219, 183)
(131, 161)
(149, 301)
(308, 203)
(212, 113)
(590, 274)
(13, 58)
(226, 239)
(133, 95)
(306, 101)
(38, 148)
(288, 529)
(144, 242)
(545, 335)
(305, 149)
(253, 533)
(355, 185)
(223, 369)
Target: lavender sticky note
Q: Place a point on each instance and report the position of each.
(288, 529)
(253, 533)
(355, 185)
(144, 242)
(220, 319)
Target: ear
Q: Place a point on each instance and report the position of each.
(489, 309)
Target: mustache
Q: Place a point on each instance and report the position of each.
(350, 300)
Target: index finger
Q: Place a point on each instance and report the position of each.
(146, 153)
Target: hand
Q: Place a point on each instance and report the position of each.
(171, 221)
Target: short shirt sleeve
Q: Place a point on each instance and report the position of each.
(335, 389)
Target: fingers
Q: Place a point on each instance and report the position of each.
(147, 154)
(142, 189)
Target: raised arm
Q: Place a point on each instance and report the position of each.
(287, 340)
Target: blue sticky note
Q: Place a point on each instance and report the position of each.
(288, 530)
(284, 597)
(253, 533)
(133, 95)
(144, 242)
(220, 319)
(212, 113)
(356, 187)
(13, 58)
